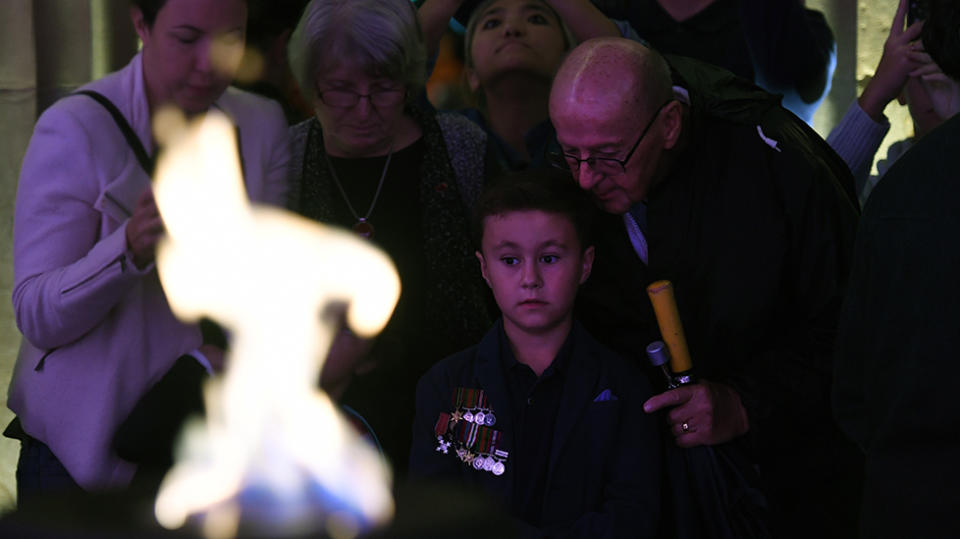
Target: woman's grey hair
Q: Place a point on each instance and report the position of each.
(381, 36)
(569, 41)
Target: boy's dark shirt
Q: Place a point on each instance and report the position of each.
(602, 461)
(534, 402)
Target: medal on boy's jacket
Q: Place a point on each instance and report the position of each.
(467, 430)
(474, 406)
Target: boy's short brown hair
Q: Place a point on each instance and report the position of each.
(550, 190)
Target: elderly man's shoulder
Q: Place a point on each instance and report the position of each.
(738, 115)
(774, 159)
(758, 132)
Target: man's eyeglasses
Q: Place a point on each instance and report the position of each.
(347, 98)
(603, 165)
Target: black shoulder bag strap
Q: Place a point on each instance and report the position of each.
(146, 162)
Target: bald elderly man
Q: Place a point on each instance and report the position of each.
(706, 181)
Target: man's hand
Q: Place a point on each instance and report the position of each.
(144, 230)
(711, 412)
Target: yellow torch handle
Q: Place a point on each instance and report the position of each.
(668, 318)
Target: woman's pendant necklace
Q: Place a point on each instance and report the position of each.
(362, 226)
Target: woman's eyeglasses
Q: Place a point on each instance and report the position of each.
(348, 98)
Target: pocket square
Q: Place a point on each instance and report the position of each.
(604, 396)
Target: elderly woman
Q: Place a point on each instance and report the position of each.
(405, 178)
(96, 325)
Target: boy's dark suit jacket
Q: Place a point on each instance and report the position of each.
(604, 467)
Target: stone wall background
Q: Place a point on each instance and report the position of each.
(860, 29)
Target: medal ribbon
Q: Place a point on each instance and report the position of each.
(464, 397)
(468, 434)
(478, 439)
(442, 422)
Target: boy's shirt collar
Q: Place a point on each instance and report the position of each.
(559, 364)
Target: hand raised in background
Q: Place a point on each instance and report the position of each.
(943, 92)
(902, 56)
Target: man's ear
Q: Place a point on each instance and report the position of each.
(483, 267)
(586, 264)
(672, 123)
(139, 23)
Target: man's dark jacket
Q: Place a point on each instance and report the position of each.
(754, 225)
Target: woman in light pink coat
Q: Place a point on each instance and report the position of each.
(97, 330)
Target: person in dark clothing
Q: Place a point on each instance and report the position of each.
(709, 183)
(898, 336)
(709, 30)
(781, 45)
(265, 69)
(539, 415)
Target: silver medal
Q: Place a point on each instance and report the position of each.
(498, 468)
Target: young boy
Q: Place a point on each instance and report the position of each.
(539, 415)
